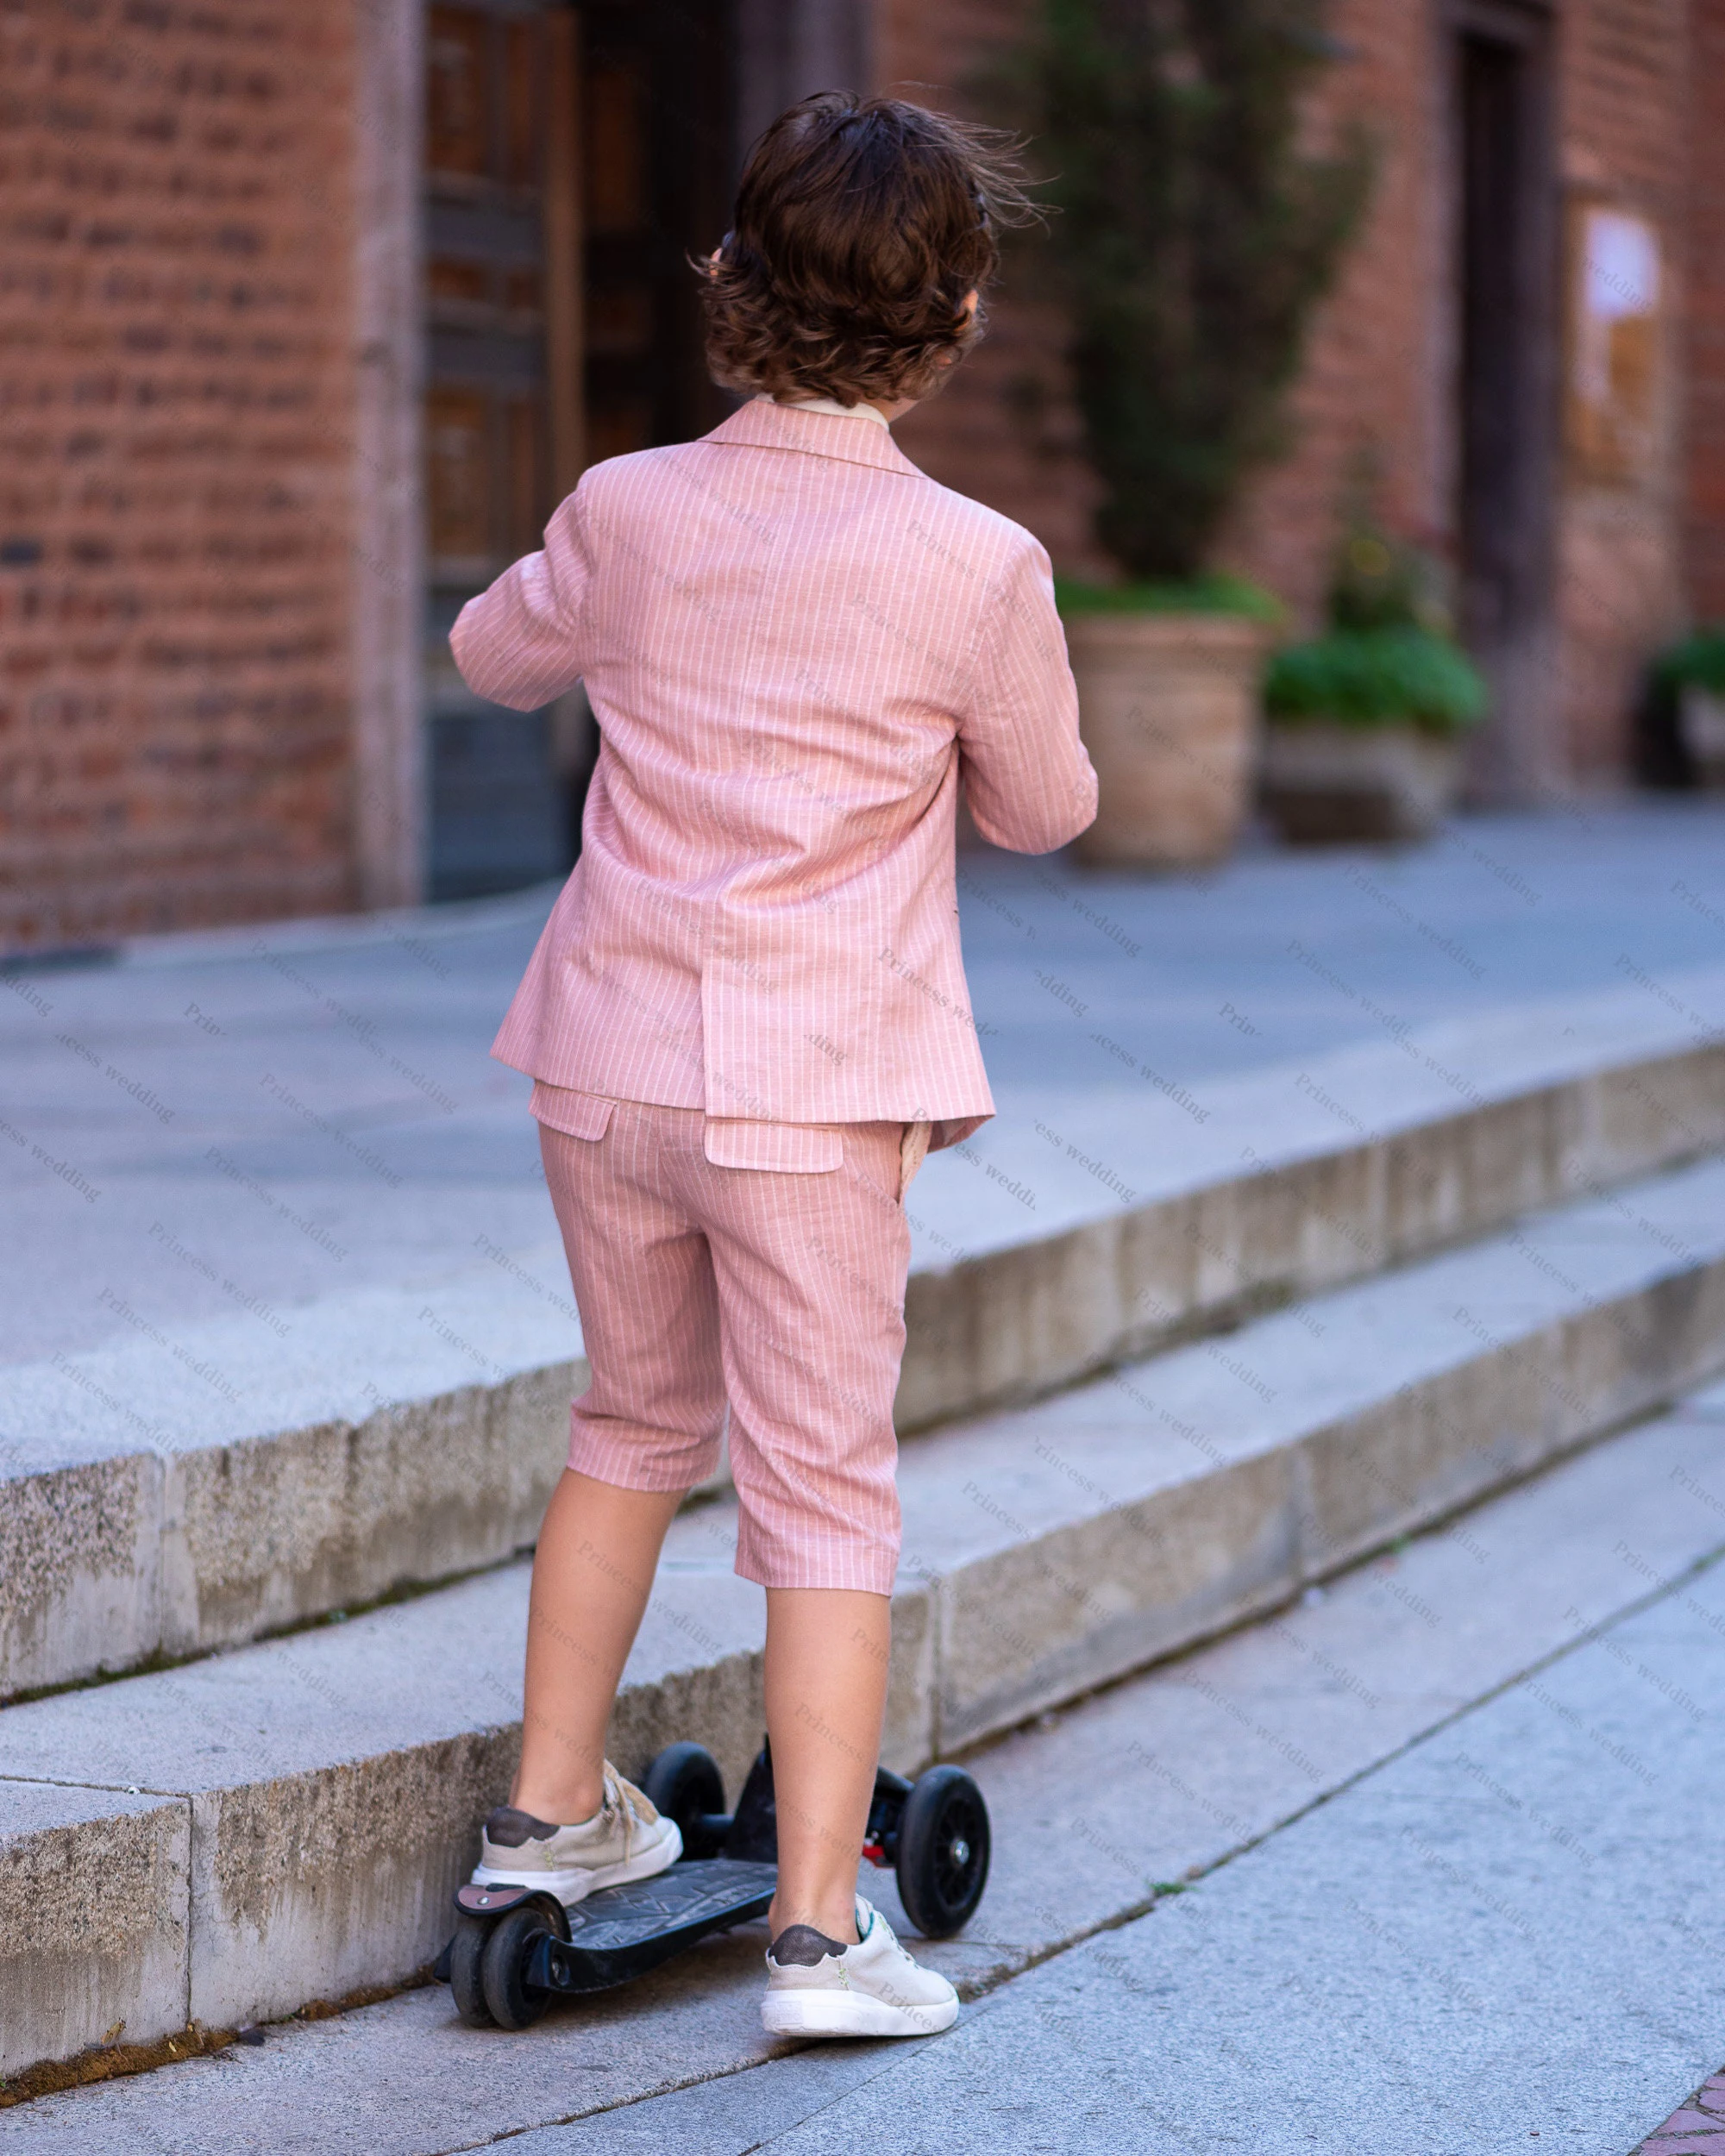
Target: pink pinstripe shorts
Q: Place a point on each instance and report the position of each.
(780, 1288)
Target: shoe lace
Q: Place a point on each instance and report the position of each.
(898, 1945)
(616, 1799)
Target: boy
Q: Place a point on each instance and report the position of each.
(747, 1019)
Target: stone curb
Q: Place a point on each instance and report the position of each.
(1029, 1318)
(1069, 1542)
(274, 1485)
(318, 1793)
(177, 1552)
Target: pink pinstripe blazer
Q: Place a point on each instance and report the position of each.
(794, 643)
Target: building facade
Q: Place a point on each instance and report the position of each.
(313, 308)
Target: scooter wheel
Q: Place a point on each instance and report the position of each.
(467, 1950)
(684, 1784)
(503, 1969)
(942, 1854)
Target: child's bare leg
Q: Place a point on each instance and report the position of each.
(591, 1576)
(827, 1651)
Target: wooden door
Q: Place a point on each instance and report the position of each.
(659, 124)
(503, 283)
(575, 157)
(503, 403)
(1507, 254)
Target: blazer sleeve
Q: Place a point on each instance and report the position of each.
(524, 642)
(1029, 783)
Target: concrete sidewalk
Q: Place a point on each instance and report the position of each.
(234, 1124)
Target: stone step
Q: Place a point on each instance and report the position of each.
(1159, 1779)
(288, 1819)
(175, 1492)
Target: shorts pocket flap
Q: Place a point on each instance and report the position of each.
(575, 1115)
(788, 1149)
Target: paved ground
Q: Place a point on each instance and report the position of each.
(1503, 1936)
(1455, 1858)
(1448, 1844)
(247, 1121)
(1507, 1935)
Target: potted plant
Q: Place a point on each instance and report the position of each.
(1691, 675)
(1168, 679)
(1191, 234)
(1365, 723)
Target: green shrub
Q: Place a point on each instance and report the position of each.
(1699, 660)
(1212, 594)
(1376, 677)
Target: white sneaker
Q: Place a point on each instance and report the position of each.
(815, 1987)
(625, 1839)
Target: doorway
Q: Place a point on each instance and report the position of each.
(1507, 254)
(574, 156)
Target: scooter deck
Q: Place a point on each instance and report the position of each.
(624, 1931)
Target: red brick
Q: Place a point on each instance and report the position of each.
(176, 393)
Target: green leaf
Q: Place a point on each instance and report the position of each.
(1376, 677)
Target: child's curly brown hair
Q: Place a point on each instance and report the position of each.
(861, 228)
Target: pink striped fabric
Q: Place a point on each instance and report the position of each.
(782, 1292)
(795, 644)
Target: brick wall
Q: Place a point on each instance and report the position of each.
(1624, 69)
(179, 401)
(176, 411)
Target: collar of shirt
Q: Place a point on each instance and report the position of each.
(832, 404)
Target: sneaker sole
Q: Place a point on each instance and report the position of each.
(835, 2013)
(576, 1883)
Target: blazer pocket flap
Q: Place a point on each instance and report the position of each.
(787, 1149)
(575, 1115)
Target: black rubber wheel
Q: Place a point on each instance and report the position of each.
(943, 1859)
(684, 1784)
(503, 1968)
(467, 1950)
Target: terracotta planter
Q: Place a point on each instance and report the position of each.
(1168, 707)
(1324, 784)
